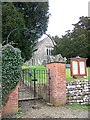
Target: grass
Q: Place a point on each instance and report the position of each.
(34, 67)
(78, 106)
(88, 72)
(40, 73)
(70, 78)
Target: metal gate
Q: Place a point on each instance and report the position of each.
(34, 84)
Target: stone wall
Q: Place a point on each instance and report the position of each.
(78, 92)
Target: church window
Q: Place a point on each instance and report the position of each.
(47, 51)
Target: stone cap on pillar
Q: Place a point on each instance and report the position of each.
(56, 59)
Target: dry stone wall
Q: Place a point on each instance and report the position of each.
(78, 92)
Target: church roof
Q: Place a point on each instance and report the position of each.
(40, 43)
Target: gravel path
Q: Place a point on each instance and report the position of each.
(41, 109)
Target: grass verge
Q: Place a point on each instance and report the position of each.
(75, 106)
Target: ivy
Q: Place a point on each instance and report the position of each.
(11, 70)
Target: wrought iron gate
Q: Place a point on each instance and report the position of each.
(34, 84)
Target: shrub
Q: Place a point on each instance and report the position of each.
(11, 70)
(0, 74)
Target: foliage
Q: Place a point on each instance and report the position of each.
(76, 42)
(23, 23)
(0, 63)
(11, 70)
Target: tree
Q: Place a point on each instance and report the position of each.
(81, 35)
(76, 42)
(24, 23)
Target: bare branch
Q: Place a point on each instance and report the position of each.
(10, 34)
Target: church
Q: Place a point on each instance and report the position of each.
(41, 51)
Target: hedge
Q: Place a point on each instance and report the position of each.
(0, 62)
(11, 70)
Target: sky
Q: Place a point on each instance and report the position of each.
(64, 13)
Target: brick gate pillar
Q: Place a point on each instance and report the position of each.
(11, 107)
(57, 83)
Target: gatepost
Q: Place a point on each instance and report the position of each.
(57, 81)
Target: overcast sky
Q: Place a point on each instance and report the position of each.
(64, 13)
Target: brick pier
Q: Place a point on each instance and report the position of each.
(57, 82)
(11, 106)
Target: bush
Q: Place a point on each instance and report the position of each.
(11, 70)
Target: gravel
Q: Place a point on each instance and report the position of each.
(40, 109)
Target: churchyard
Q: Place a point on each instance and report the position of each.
(68, 76)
